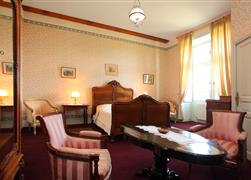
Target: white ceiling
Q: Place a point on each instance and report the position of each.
(164, 18)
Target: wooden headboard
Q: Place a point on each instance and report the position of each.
(110, 93)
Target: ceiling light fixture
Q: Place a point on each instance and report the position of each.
(137, 15)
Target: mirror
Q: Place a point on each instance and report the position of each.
(7, 129)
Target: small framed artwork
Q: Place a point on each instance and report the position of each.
(7, 68)
(148, 78)
(68, 72)
(111, 69)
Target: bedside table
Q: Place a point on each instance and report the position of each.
(75, 107)
(5, 108)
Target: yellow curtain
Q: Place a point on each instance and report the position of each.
(185, 48)
(221, 54)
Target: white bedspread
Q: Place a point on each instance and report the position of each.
(103, 117)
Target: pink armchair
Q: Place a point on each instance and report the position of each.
(72, 157)
(226, 130)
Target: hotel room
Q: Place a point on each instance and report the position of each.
(126, 89)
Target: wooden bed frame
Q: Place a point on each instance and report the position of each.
(110, 93)
(143, 110)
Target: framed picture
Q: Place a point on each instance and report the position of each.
(148, 78)
(7, 68)
(111, 69)
(68, 72)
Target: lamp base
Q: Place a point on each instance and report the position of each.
(1, 101)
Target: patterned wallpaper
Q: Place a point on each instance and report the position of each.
(241, 19)
(46, 50)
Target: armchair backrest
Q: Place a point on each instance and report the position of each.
(40, 106)
(226, 125)
(173, 106)
(54, 129)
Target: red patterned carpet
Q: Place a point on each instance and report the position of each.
(127, 160)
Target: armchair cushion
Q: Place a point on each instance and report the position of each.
(82, 143)
(197, 127)
(104, 163)
(56, 131)
(90, 133)
(221, 129)
(230, 147)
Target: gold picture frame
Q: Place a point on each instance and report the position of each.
(68, 72)
(148, 78)
(111, 69)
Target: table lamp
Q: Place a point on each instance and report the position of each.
(3, 93)
(75, 95)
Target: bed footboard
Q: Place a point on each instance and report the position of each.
(143, 110)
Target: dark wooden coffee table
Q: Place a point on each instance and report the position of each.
(176, 143)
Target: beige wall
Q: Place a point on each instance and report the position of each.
(241, 19)
(169, 74)
(6, 81)
(47, 49)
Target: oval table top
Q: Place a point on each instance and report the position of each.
(177, 143)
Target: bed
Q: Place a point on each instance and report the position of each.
(113, 106)
(103, 97)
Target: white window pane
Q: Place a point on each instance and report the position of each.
(199, 88)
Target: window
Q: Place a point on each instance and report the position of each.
(201, 84)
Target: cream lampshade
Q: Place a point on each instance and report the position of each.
(75, 95)
(3, 93)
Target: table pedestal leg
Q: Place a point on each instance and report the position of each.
(159, 170)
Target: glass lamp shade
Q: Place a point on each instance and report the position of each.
(3, 93)
(137, 15)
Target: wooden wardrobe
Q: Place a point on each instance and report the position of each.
(11, 158)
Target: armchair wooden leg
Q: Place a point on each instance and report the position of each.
(29, 126)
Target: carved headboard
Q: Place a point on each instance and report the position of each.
(110, 93)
